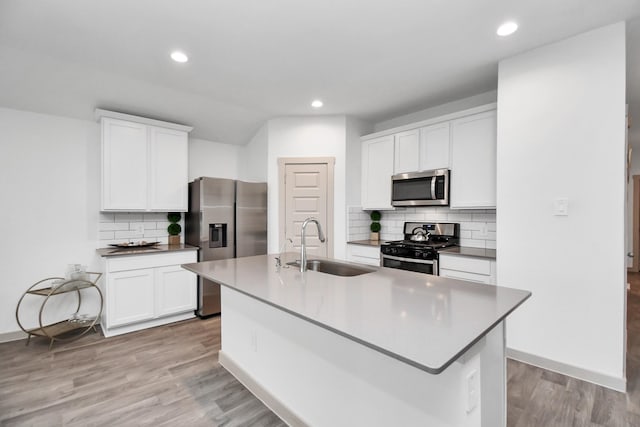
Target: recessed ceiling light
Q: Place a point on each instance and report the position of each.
(507, 29)
(179, 56)
(317, 103)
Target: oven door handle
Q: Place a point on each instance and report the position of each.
(415, 261)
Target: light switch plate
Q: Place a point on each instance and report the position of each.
(561, 206)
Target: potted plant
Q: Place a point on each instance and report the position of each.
(375, 225)
(174, 228)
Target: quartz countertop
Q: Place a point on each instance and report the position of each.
(375, 243)
(470, 252)
(423, 320)
(114, 251)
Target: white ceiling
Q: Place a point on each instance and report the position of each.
(252, 60)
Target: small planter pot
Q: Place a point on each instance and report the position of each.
(174, 240)
(374, 236)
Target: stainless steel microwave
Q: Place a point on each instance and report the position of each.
(427, 188)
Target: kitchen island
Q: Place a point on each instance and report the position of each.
(388, 347)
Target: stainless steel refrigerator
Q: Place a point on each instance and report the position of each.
(226, 219)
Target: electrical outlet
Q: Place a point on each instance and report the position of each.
(561, 206)
(473, 390)
(137, 227)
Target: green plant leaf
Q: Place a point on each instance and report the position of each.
(174, 216)
(375, 227)
(375, 215)
(174, 229)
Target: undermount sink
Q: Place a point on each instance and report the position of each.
(334, 268)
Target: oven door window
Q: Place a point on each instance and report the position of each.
(408, 265)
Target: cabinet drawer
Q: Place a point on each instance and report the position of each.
(150, 261)
(463, 275)
(364, 251)
(465, 264)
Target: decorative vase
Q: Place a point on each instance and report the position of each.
(174, 240)
(374, 236)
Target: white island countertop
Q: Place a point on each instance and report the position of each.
(423, 320)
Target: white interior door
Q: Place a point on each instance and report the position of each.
(306, 196)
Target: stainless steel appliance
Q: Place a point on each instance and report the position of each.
(425, 188)
(419, 249)
(226, 219)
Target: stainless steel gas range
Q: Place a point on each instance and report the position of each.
(419, 249)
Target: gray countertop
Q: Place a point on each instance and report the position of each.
(113, 251)
(375, 243)
(423, 320)
(471, 252)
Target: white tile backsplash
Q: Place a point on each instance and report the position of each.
(120, 227)
(477, 227)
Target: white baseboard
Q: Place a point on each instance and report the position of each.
(12, 336)
(277, 406)
(614, 383)
(132, 327)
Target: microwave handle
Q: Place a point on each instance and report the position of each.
(433, 188)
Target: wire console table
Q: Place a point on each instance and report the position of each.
(68, 329)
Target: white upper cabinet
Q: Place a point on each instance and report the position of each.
(473, 161)
(124, 165)
(168, 169)
(434, 146)
(377, 169)
(144, 164)
(406, 151)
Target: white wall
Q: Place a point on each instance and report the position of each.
(207, 158)
(50, 188)
(311, 136)
(252, 162)
(561, 126)
(440, 110)
(355, 128)
(50, 192)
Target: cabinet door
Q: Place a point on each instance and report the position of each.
(124, 165)
(168, 169)
(406, 151)
(176, 290)
(130, 296)
(377, 169)
(473, 161)
(434, 146)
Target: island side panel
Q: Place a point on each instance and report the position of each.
(328, 380)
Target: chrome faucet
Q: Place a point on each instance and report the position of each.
(303, 243)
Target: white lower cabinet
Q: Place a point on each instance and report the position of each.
(176, 290)
(481, 270)
(128, 296)
(142, 291)
(363, 254)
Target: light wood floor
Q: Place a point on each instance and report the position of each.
(169, 376)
